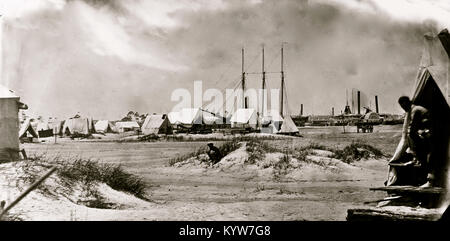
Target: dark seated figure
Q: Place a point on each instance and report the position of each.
(214, 153)
(410, 164)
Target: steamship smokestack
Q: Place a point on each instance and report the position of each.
(359, 102)
(376, 104)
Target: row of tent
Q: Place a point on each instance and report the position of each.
(159, 123)
(271, 122)
(153, 124)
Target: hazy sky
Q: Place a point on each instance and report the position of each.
(103, 58)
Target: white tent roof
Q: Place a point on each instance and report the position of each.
(435, 61)
(288, 125)
(42, 125)
(55, 125)
(102, 126)
(174, 117)
(153, 123)
(209, 118)
(273, 115)
(244, 116)
(190, 116)
(26, 126)
(127, 124)
(77, 125)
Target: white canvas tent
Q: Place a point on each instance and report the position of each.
(210, 119)
(190, 116)
(26, 130)
(174, 117)
(288, 126)
(271, 122)
(431, 91)
(42, 126)
(124, 126)
(104, 126)
(156, 124)
(78, 126)
(44, 129)
(244, 118)
(56, 126)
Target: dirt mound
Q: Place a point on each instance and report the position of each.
(57, 198)
(311, 165)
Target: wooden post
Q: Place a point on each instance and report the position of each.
(24, 154)
(54, 132)
(28, 190)
(2, 206)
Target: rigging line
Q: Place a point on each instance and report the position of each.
(252, 62)
(223, 73)
(270, 51)
(273, 60)
(286, 100)
(236, 85)
(238, 79)
(267, 72)
(230, 83)
(227, 97)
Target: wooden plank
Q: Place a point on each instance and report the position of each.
(410, 189)
(384, 199)
(374, 214)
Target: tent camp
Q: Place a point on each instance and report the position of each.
(190, 116)
(78, 125)
(244, 118)
(288, 126)
(210, 119)
(156, 124)
(271, 122)
(43, 128)
(431, 91)
(186, 117)
(124, 126)
(26, 130)
(56, 126)
(9, 124)
(104, 126)
(174, 117)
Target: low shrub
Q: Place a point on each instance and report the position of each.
(356, 152)
(225, 148)
(87, 172)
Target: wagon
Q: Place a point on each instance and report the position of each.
(364, 127)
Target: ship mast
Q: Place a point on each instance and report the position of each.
(263, 82)
(282, 84)
(244, 104)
